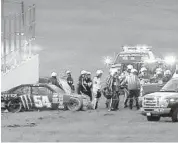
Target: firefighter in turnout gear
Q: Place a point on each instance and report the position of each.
(70, 80)
(97, 88)
(53, 80)
(88, 85)
(81, 84)
(113, 84)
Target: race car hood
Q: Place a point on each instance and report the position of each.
(162, 94)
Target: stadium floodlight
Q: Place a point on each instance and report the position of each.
(108, 60)
(170, 60)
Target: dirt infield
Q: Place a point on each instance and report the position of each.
(99, 125)
(75, 32)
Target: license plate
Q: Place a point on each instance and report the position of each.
(148, 114)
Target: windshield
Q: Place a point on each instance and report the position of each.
(171, 86)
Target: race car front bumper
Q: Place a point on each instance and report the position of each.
(155, 111)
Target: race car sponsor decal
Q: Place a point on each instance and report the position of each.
(26, 101)
(30, 100)
(61, 100)
(8, 96)
(23, 101)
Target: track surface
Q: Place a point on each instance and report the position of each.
(99, 125)
(72, 33)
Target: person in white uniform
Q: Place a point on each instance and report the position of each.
(97, 88)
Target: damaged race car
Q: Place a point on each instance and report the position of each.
(42, 96)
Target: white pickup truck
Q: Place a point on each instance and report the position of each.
(163, 103)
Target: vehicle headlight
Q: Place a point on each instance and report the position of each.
(172, 100)
(164, 103)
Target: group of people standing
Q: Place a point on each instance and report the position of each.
(90, 87)
(117, 83)
(86, 85)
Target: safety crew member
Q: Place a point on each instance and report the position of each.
(167, 76)
(133, 85)
(81, 87)
(159, 77)
(113, 84)
(126, 92)
(53, 80)
(143, 76)
(88, 85)
(70, 80)
(97, 88)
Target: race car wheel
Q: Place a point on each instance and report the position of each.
(175, 115)
(153, 118)
(74, 104)
(14, 106)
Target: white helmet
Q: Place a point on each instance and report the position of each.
(99, 72)
(134, 71)
(143, 69)
(68, 72)
(88, 73)
(167, 72)
(129, 67)
(159, 72)
(53, 74)
(83, 72)
(113, 71)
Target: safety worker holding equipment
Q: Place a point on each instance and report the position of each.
(97, 88)
(81, 84)
(133, 84)
(113, 84)
(53, 80)
(70, 80)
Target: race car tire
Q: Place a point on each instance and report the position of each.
(153, 118)
(175, 115)
(14, 106)
(74, 104)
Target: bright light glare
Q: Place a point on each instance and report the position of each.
(107, 60)
(170, 60)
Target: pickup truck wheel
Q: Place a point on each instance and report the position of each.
(175, 115)
(153, 118)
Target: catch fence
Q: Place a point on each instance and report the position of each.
(18, 34)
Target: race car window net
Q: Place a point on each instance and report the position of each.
(22, 90)
(41, 91)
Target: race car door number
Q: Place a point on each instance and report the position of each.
(41, 101)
